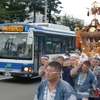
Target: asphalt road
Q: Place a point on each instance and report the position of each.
(17, 89)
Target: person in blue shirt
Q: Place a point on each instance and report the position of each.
(54, 88)
(84, 78)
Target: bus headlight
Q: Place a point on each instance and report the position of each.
(26, 69)
(30, 69)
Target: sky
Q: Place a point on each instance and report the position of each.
(78, 9)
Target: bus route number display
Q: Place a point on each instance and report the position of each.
(12, 29)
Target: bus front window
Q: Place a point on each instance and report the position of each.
(15, 46)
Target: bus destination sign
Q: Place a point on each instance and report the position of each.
(12, 29)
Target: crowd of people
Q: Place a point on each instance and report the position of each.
(69, 77)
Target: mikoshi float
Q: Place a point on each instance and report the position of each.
(88, 38)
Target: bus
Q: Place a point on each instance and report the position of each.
(22, 45)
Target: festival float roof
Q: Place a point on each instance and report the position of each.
(88, 38)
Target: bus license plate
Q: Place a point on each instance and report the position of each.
(7, 74)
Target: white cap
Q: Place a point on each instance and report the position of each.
(65, 57)
(96, 56)
(45, 57)
(73, 55)
(83, 57)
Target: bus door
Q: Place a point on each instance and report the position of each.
(38, 51)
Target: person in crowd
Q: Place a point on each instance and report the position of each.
(54, 58)
(84, 78)
(44, 62)
(67, 61)
(82, 55)
(73, 60)
(96, 56)
(97, 62)
(65, 73)
(93, 63)
(97, 74)
(53, 88)
(79, 52)
(67, 55)
(95, 67)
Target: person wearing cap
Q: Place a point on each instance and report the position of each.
(73, 60)
(44, 62)
(67, 55)
(83, 58)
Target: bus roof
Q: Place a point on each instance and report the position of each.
(35, 27)
(55, 29)
(50, 25)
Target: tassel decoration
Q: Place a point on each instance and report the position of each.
(88, 13)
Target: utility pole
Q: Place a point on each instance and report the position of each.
(45, 11)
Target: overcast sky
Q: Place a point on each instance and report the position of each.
(78, 8)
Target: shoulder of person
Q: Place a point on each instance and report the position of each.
(67, 68)
(67, 88)
(65, 84)
(43, 82)
(91, 75)
(97, 68)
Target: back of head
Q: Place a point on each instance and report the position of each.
(54, 58)
(67, 54)
(56, 65)
(60, 57)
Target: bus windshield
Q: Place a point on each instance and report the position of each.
(14, 46)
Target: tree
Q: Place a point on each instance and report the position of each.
(11, 10)
(53, 6)
(70, 21)
(4, 14)
(17, 9)
(36, 6)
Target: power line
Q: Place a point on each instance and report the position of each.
(74, 15)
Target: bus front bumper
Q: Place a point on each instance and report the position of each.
(18, 74)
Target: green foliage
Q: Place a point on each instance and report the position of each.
(71, 21)
(4, 15)
(14, 10)
(53, 6)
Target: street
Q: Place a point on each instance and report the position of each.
(17, 89)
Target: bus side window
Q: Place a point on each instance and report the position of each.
(58, 47)
(53, 50)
